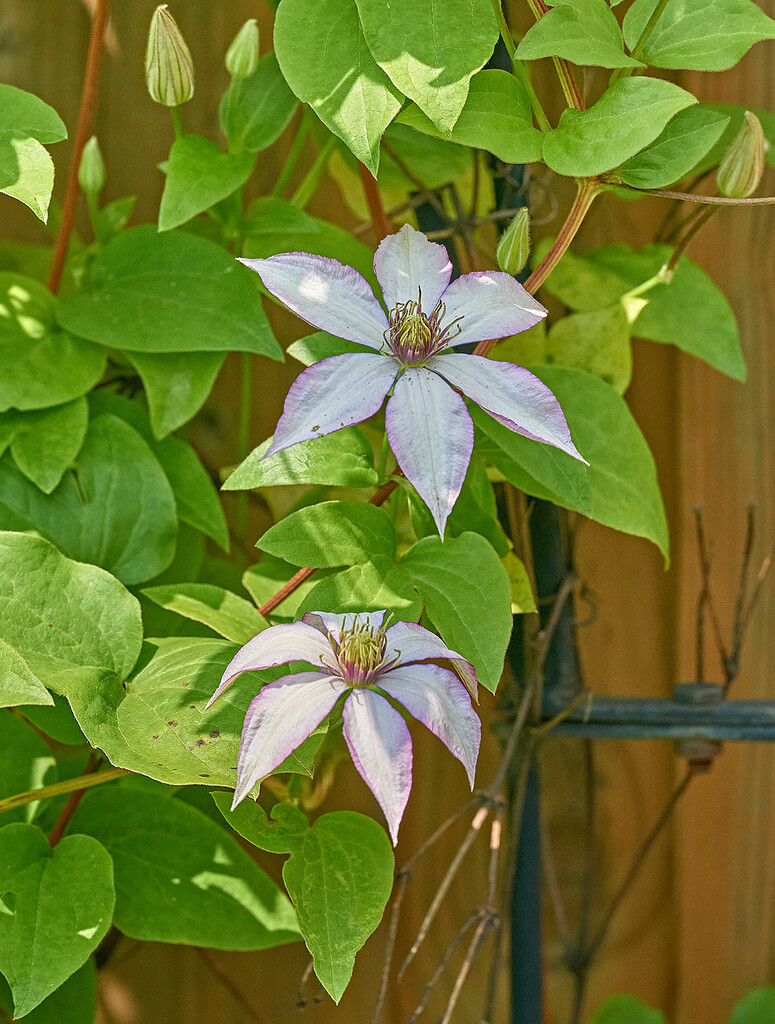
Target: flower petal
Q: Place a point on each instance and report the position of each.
(280, 718)
(332, 623)
(512, 394)
(415, 643)
(432, 438)
(290, 641)
(326, 294)
(437, 698)
(331, 394)
(492, 305)
(381, 749)
(407, 263)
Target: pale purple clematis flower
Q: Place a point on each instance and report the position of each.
(428, 425)
(357, 658)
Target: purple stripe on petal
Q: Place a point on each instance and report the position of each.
(334, 624)
(290, 641)
(406, 263)
(326, 294)
(437, 698)
(278, 720)
(432, 438)
(381, 749)
(332, 394)
(512, 394)
(492, 305)
(415, 643)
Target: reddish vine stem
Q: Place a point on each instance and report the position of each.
(379, 219)
(85, 117)
(72, 802)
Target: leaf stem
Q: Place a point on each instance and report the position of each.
(567, 79)
(59, 788)
(293, 155)
(82, 132)
(307, 188)
(520, 70)
(692, 197)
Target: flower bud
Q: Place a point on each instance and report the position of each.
(742, 166)
(514, 245)
(242, 55)
(91, 169)
(169, 71)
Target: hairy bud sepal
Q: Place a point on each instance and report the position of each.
(514, 245)
(91, 169)
(742, 166)
(169, 70)
(242, 55)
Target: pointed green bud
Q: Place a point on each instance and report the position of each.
(742, 166)
(514, 245)
(169, 70)
(242, 55)
(91, 169)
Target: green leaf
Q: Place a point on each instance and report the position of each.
(113, 217)
(475, 510)
(332, 533)
(690, 312)
(736, 116)
(25, 763)
(496, 117)
(622, 476)
(58, 906)
(375, 585)
(680, 147)
(342, 459)
(201, 298)
(196, 498)
(179, 877)
(276, 226)
(522, 599)
(56, 720)
(626, 1010)
(320, 345)
(176, 385)
(468, 597)
(47, 442)
(429, 58)
(281, 834)
(700, 35)
(581, 31)
(24, 112)
(229, 615)
(339, 877)
(42, 364)
(535, 468)
(629, 115)
(256, 110)
(325, 60)
(199, 175)
(74, 1002)
(53, 606)
(756, 1007)
(19, 685)
(119, 513)
(597, 341)
(157, 724)
(26, 172)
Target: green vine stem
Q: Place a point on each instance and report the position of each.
(82, 133)
(59, 788)
(307, 188)
(293, 155)
(692, 197)
(519, 69)
(177, 124)
(243, 448)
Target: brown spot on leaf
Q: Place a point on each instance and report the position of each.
(200, 743)
(215, 734)
(173, 723)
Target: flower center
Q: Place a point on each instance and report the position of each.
(360, 653)
(413, 336)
